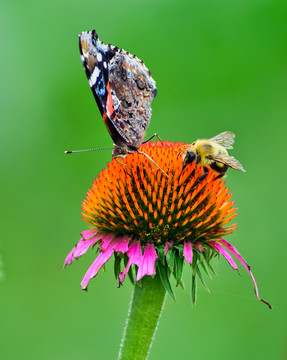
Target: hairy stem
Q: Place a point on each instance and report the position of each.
(144, 312)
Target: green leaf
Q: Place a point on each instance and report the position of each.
(178, 262)
(170, 258)
(164, 275)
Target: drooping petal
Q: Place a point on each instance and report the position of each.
(70, 258)
(89, 233)
(83, 245)
(235, 252)
(122, 244)
(135, 257)
(103, 257)
(222, 251)
(106, 240)
(147, 266)
(187, 251)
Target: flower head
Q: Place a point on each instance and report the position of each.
(154, 223)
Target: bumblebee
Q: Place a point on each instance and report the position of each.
(212, 153)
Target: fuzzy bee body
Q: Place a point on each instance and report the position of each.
(212, 153)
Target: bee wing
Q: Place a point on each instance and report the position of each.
(225, 139)
(229, 161)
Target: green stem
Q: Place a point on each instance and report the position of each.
(145, 309)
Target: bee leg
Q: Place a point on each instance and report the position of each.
(219, 176)
(202, 177)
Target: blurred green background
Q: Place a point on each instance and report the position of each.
(219, 65)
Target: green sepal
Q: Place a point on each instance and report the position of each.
(193, 278)
(117, 265)
(208, 255)
(178, 268)
(202, 263)
(170, 258)
(193, 289)
(181, 284)
(164, 275)
(180, 251)
(211, 268)
(202, 279)
(131, 275)
(160, 253)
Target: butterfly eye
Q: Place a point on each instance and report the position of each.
(140, 84)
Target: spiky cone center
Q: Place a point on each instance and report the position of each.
(139, 200)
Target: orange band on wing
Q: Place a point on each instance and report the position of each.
(110, 104)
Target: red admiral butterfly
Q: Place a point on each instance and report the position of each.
(123, 89)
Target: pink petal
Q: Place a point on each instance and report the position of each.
(106, 240)
(235, 252)
(147, 266)
(222, 251)
(135, 252)
(135, 257)
(83, 246)
(122, 244)
(89, 233)
(187, 251)
(70, 258)
(167, 246)
(96, 265)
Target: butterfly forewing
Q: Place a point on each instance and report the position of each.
(123, 89)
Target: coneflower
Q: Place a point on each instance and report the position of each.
(153, 224)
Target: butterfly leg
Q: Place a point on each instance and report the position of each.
(154, 135)
(150, 159)
(116, 158)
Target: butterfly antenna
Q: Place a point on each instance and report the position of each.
(148, 157)
(78, 151)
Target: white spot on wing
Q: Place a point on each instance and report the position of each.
(105, 65)
(99, 57)
(93, 78)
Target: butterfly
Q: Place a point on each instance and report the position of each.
(123, 89)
